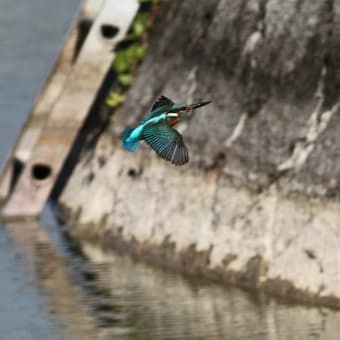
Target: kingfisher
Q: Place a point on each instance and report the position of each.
(156, 129)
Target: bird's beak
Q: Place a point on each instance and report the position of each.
(195, 106)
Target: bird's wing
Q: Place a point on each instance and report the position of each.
(162, 104)
(162, 101)
(167, 142)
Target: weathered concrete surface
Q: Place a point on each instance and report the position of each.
(258, 203)
(209, 225)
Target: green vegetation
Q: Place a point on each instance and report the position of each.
(139, 26)
(115, 99)
(127, 58)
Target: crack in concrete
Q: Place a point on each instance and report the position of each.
(192, 83)
(237, 131)
(312, 256)
(192, 80)
(253, 40)
(316, 125)
(215, 214)
(319, 120)
(262, 17)
(245, 214)
(294, 237)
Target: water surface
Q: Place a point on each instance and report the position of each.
(31, 33)
(49, 289)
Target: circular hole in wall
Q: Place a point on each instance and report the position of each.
(41, 171)
(109, 31)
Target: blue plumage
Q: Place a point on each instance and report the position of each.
(156, 129)
(129, 144)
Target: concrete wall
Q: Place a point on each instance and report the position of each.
(258, 203)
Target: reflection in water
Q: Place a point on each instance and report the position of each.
(107, 296)
(21, 316)
(42, 258)
(160, 305)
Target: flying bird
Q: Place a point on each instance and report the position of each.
(156, 129)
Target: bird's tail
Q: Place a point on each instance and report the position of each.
(130, 145)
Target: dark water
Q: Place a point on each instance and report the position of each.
(49, 291)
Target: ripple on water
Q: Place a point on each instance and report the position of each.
(152, 304)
